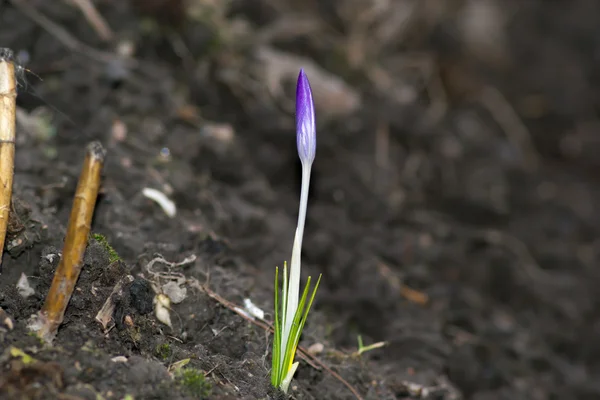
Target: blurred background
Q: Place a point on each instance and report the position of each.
(454, 203)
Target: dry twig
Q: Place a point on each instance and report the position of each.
(514, 128)
(78, 230)
(8, 99)
(68, 40)
(94, 18)
(408, 293)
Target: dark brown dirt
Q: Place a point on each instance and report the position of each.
(453, 210)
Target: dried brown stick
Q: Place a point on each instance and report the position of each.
(302, 352)
(8, 99)
(408, 293)
(513, 126)
(78, 230)
(68, 40)
(94, 18)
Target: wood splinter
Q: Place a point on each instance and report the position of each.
(48, 320)
(8, 100)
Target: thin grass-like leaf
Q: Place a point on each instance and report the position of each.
(284, 304)
(304, 318)
(276, 363)
(293, 335)
(283, 333)
(298, 324)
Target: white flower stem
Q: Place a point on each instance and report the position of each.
(293, 289)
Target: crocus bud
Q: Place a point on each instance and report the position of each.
(306, 133)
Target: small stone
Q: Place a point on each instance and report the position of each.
(315, 348)
(174, 291)
(23, 287)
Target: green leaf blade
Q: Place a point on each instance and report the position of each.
(285, 347)
(276, 362)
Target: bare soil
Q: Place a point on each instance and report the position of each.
(454, 208)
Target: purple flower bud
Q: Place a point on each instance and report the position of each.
(306, 132)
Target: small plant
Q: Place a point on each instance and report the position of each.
(163, 351)
(291, 317)
(363, 349)
(112, 254)
(194, 382)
